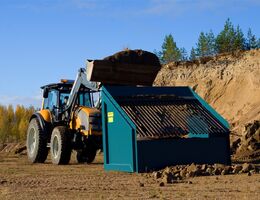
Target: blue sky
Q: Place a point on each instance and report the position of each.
(42, 41)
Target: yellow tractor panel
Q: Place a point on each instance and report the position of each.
(46, 115)
(81, 120)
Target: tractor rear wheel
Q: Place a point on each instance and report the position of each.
(86, 155)
(60, 146)
(36, 142)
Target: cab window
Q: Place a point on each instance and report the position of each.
(51, 102)
(84, 99)
(64, 96)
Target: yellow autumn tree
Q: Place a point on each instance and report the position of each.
(23, 116)
(3, 130)
(13, 124)
(19, 114)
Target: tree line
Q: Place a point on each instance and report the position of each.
(229, 40)
(14, 123)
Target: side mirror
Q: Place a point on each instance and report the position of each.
(45, 93)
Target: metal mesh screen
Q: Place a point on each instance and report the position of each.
(163, 116)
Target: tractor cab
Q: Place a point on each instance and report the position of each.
(56, 95)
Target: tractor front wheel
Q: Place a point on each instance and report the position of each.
(36, 142)
(60, 146)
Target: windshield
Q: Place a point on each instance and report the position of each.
(64, 98)
(83, 100)
(59, 99)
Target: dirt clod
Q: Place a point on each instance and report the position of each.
(217, 171)
(20, 149)
(168, 178)
(246, 167)
(225, 172)
(237, 169)
(161, 184)
(141, 184)
(3, 182)
(178, 173)
(157, 175)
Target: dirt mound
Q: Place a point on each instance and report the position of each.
(129, 67)
(136, 56)
(182, 172)
(247, 147)
(229, 83)
(14, 148)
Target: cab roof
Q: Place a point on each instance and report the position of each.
(58, 86)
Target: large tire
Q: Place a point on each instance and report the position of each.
(86, 155)
(60, 146)
(36, 142)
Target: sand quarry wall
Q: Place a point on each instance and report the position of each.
(229, 83)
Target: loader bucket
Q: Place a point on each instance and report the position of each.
(148, 128)
(130, 67)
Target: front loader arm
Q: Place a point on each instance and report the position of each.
(81, 79)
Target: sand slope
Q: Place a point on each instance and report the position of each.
(229, 83)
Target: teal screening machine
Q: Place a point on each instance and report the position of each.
(146, 128)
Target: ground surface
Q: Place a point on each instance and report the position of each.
(22, 180)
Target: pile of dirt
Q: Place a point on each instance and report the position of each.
(129, 67)
(182, 172)
(230, 83)
(137, 56)
(13, 148)
(247, 147)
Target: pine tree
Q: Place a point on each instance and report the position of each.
(225, 39)
(170, 51)
(206, 44)
(239, 40)
(184, 54)
(230, 39)
(202, 45)
(193, 55)
(211, 43)
(251, 42)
